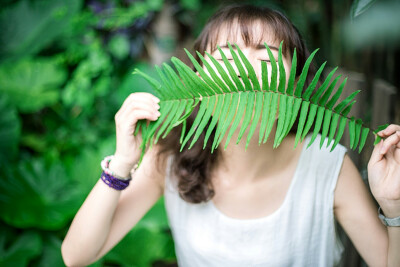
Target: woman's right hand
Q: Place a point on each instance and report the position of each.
(136, 106)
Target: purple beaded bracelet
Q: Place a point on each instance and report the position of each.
(113, 182)
(110, 178)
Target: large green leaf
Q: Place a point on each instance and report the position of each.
(377, 26)
(359, 6)
(29, 26)
(18, 249)
(32, 84)
(35, 194)
(10, 128)
(225, 102)
(51, 252)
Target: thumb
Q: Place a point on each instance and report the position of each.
(376, 155)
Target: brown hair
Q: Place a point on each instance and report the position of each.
(193, 167)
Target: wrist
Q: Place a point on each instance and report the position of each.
(120, 166)
(391, 209)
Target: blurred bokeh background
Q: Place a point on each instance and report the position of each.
(65, 69)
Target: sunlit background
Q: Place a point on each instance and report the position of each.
(65, 69)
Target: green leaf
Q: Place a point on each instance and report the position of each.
(302, 120)
(119, 46)
(342, 126)
(282, 72)
(222, 72)
(211, 105)
(318, 124)
(281, 118)
(219, 101)
(272, 116)
(292, 76)
(229, 117)
(380, 128)
(30, 26)
(36, 195)
(357, 132)
(332, 128)
(221, 87)
(352, 132)
(325, 127)
(360, 6)
(241, 69)
(310, 89)
(248, 114)
(310, 120)
(265, 115)
(303, 76)
(250, 70)
(264, 76)
(364, 135)
(10, 130)
(199, 117)
(274, 70)
(222, 118)
(203, 74)
(256, 117)
(227, 102)
(175, 106)
(18, 249)
(51, 252)
(232, 72)
(32, 84)
(238, 117)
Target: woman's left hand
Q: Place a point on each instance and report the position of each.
(384, 171)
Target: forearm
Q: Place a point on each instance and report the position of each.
(393, 211)
(394, 246)
(91, 225)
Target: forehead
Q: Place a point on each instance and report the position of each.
(249, 34)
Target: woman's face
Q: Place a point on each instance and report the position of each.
(255, 51)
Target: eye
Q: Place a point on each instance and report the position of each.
(229, 59)
(266, 60)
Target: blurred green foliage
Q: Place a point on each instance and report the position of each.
(65, 69)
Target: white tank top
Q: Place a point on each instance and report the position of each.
(301, 232)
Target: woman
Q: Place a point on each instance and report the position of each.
(237, 207)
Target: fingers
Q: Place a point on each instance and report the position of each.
(376, 155)
(146, 103)
(391, 129)
(392, 140)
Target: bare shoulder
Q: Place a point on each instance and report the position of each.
(349, 185)
(355, 210)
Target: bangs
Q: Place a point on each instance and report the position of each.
(252, 32)
(253, 25)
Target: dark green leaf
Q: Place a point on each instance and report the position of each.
(10, 130)
(359, 6)
(18, 250)
(33, 194)
(32, 84)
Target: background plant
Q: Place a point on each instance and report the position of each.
(65, 69)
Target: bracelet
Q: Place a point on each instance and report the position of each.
(113, 182)
(111, 179)
(105, 163)
(388, 221)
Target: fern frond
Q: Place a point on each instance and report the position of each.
(230, 100)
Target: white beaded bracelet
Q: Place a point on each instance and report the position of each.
(105, 166)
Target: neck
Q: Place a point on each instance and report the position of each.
(248, 165)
